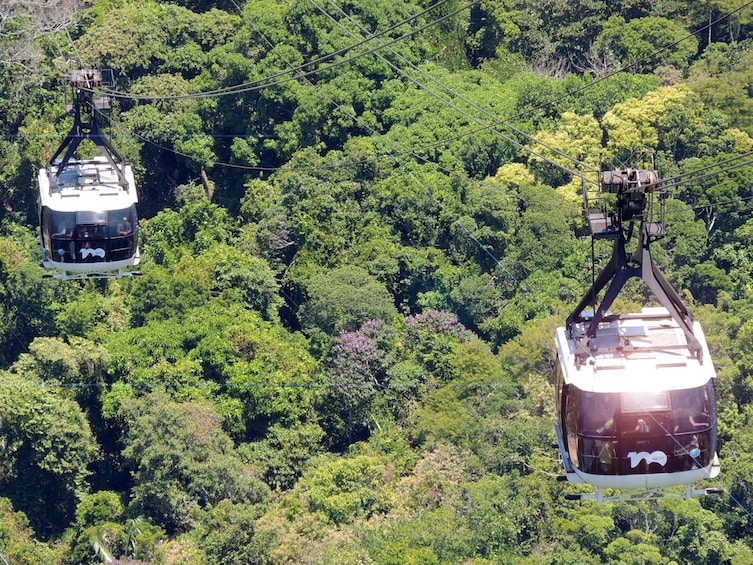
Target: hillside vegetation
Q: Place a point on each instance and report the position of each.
(361, 223)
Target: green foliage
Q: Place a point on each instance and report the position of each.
(551, 35)
(265, 372)
(308, 540)
(720, 201)
(577, 140)
(114, 542)
(282, 456)
(344, 298)
(52, 360)
(645, 43)
(48, 446)
(446, 514)
(721, 80)
(150, 32)
(427, 254)
(592, 529)
(546, 237)
(162, 294)
(592, 95)
(226, 534)
(28, 300)
(630, 552)
(17, 540)
(83, 314)
(634, 125)
(347, 489)
(245, 279)
(181, 461)
(102, 506)
(193, 229)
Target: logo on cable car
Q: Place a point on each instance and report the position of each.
(88, 252)
(654, 457)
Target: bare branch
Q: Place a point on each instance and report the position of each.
(599, 63)
(22, 24)
(551, 66)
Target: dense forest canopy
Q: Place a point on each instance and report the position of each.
(360, 225)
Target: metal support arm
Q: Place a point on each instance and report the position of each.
(86, 127)
(620, 268)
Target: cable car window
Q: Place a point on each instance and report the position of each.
(61, 224)
(692, 409)
(633, 402)
(571, 419)
(90, 217)
(121, 222)
(90, 232)
(597, 413)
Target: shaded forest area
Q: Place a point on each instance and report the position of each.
(360, 225)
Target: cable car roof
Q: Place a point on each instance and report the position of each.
(637, 352)
(92, 184)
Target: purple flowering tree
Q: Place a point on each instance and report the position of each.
(357, 373)
(353, 378)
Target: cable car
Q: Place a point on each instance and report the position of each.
(88, 219)
(636, 404)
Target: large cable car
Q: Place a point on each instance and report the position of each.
(88, 220)
(636, 405)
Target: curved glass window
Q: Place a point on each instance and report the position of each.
(633, 433)
(87, 236)
(122, 226)
(58, 234)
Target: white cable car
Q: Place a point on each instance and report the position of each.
(88, 220)
(636, 406)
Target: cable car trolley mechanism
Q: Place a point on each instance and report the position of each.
(88, 221)
(636, 408)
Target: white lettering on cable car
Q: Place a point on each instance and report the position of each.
(654, 457)
(87, 252)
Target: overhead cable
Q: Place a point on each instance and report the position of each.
(299, 71)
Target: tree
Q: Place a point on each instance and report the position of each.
(697, 536)
(163, 293)
(25, 26)
(18, 543)
(593, 530)
(226, 533)
(245, 278)
(636, 124)
(591, 95)
(546, 236)
(494, 207)
(344, 298)
(645, 43)
(706, 281)
(48, 448)
(554, 36)
(181, 461)
(346, 489)
(196, 227)
(283, 455)
(354, 376)
(727, 87)
(576, 143)
(632, 551)
(27, 298)
(258, 372)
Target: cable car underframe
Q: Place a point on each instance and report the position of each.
(88, 221)
(636, 409)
